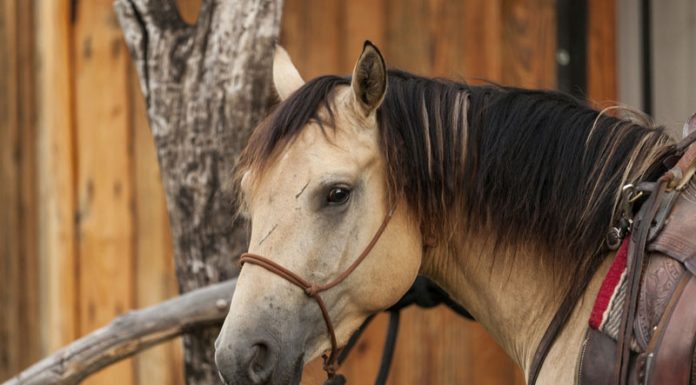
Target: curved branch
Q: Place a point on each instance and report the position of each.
(129, 334)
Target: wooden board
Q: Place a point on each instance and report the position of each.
(105, 155)
(601, 53)
(56, 176)
(529, 43)
(18, 255)
(28, 285)
(10, 235)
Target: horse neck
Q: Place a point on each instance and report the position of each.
(512, 296)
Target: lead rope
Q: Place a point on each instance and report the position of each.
(313, 290)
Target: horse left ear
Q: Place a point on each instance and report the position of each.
(286, 78)
(369, 79)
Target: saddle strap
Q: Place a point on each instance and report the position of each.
(680, 173)
(636, 252)
(669, 361)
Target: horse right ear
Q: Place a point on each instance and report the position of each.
(369, 79)
(285, 76)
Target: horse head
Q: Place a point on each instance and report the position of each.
(317, 200)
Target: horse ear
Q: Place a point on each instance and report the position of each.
(285, 76)
(369, 79)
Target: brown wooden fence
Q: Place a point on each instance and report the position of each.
(83, 224)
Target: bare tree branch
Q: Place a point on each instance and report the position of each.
(129, 334)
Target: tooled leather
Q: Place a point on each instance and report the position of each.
(660, 278)
(678, 237)
(673, 353)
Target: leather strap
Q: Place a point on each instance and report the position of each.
(313, 290)
(636, 252)
(686, 150)
(550, 336)
(671, 364)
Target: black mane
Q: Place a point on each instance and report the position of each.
(522, 164)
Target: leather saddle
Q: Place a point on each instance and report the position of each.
(661, 344)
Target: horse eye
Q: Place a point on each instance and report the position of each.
(338, 196)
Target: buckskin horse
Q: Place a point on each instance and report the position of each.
(567, 233)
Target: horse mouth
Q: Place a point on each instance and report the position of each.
(297, 375)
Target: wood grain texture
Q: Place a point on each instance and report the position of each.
(18, 253)
(105, 175)
(482, 45)
(408, 40)
(529, 43)
(57, 172)
(28, 288)
(129, 334)
(10, 165)
(363, 20)
(601, 52)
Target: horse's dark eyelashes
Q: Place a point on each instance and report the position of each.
(338, 195)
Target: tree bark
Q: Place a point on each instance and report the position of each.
(129, 334)
(206, 85)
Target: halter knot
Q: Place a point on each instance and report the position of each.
(329, 367)
(312, 290)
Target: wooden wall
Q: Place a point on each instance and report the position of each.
(83, 225)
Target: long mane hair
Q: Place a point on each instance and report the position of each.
(524, 165)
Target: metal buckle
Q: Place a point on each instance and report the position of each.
(616, 234)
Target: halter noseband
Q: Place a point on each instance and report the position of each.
(313, 290)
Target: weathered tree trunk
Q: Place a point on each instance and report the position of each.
(205, 86)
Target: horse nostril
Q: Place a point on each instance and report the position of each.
(262, 361)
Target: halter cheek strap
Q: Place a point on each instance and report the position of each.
(313, 290)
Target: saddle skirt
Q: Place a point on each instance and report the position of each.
(664, 328)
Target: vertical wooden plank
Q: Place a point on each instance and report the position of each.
(409, 44)
(482, 44)
(56, 175)
(437, 346)
(9, 192)
(446, 33)
(324, 31)
(312, 33)
(364, 20)
(466, 39)
(105, 172)
(155, 278)
(529, 43)
(291, 33)
(601, 49)
(27, 213)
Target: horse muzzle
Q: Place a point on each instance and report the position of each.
(257, 359)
